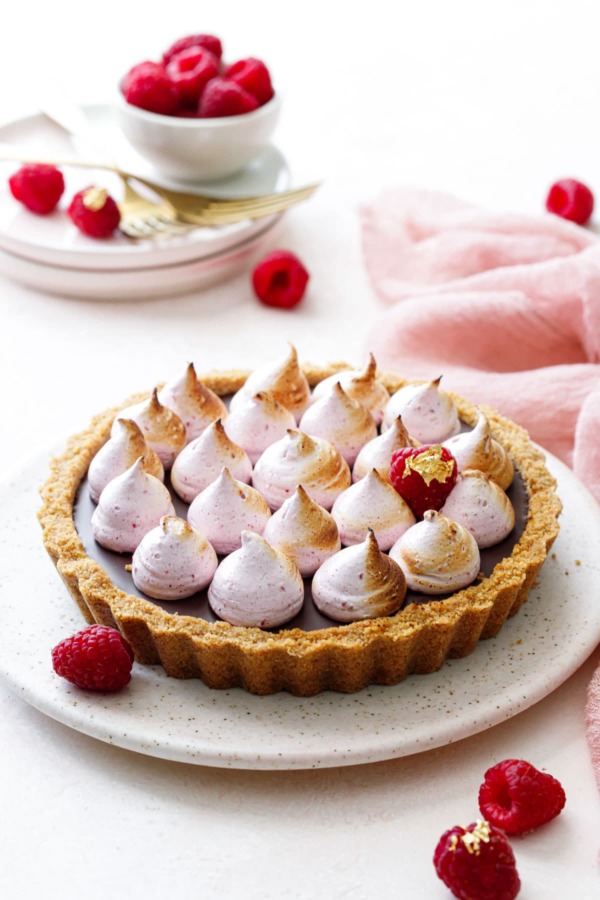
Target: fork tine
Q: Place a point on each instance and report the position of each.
(218, 215)
(195, 205)
(243, 203)
(253, 210)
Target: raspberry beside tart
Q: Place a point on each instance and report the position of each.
(347, 657)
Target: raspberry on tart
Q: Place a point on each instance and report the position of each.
(423, 476)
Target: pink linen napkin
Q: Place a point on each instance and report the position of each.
(507, 309)
(592, 721)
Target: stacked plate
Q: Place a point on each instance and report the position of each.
(49, 254)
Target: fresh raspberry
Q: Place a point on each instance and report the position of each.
(96, 659)
(94, 212)
(38, 187)
(280, 279)
(423, 476)
(571, 200)
(207, 41)
(148, 86)
(222, 97)
(253, 76)
(517, 797)
(477, 863)
(190, 71)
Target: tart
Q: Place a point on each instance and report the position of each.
(418, 638)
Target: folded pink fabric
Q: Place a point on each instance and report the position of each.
(592, 722)
(505, 307)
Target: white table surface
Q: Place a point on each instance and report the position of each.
(489, 101)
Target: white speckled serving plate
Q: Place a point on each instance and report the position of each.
(535, 652)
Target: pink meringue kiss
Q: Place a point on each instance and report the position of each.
(195, 404)
(299, 459)
(284, 379)
(203, 460)
(428, 413)
(258, 422)
(226, 508)
(256, 585)
(163, 430)
(119, 454)
(359, 582)
(129, 507)
(372, 503)
(480, 505)
(377, 454)
(173, 561)
(341, 421)
(361, 386)
(477, 449)
(436, 555)
(304, 531)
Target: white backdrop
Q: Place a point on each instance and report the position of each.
(490, 101)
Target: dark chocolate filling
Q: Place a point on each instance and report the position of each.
(309, 618)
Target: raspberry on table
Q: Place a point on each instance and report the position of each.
(148, 86)
(223, 97)
(423, 476)
(94, 212)
(280, 279)
(97, 658)
(207, 41)
(477, 863)
(517, 797)
(571, 199)
(253, 76)
(190, 71)
(37, 186)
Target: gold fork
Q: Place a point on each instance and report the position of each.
(176, 211)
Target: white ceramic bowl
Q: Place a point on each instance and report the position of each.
(198, 149)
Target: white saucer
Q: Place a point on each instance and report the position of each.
(552, 635)
(55, 241)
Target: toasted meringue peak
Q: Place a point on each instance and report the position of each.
(129, 507)
(195, 404)
(226, 508)
(427, 412)
(359, 582)
(258, 422)
(436, 555)
(300, 459)
(477, 449)
(480, 505)
(377, 454)
(173, 560)
(284, 379)
(360, 385)
(119, 454)
(372, 503)
(162, 428)
(202, 461)
(341, 421)
(256, 585)
(304, 531)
